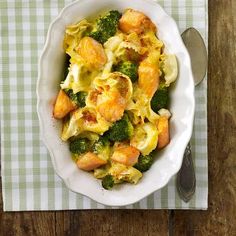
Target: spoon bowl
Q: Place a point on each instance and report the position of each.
(198, 53)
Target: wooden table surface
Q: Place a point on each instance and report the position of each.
(220, 218)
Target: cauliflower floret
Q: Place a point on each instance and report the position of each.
(78, 78)
(170, 68)
(164, 112)
(121, 173)
(113, 43)
(145, 138)
(84, 119)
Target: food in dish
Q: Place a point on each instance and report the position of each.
(113, 102)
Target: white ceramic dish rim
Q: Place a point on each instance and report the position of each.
(44, 139)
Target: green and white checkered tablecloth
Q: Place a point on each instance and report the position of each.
(28, 179)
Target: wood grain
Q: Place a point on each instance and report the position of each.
(26, 223)
(220, 218)
(112, 222)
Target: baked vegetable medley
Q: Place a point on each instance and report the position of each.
(113, 100)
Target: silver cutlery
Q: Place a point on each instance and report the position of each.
(186, 180)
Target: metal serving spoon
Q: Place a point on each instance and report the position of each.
(186, 180)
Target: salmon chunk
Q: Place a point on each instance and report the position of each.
(63, 105)
(92, 52)
(135, 21)
(90, 161)
(163, 132)
(148, 79)
(126, 155)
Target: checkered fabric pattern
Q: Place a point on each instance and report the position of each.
(28, 179)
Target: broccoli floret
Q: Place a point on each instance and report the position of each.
(79, 146)
(144, 162)
(160, 98)
(78, 98)
(108, 182)
(67, 64)
(97, 35)
(102, 148)
(121, 130)
(106, 26)
(128, 68)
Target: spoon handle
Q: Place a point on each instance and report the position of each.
(186, 180)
